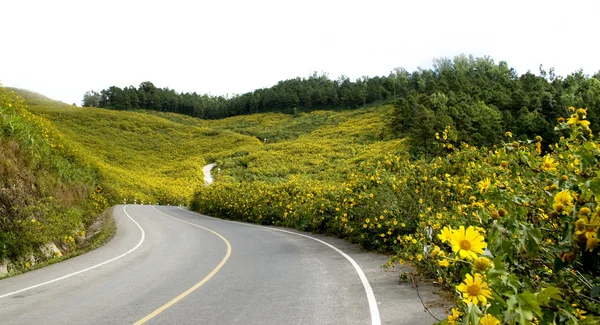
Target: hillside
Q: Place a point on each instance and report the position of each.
(47, 198)
(154, 156)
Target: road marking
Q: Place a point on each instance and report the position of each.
(89, 268)
(375, 317)
(197, 285)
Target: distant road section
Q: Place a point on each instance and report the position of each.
(207, 176)
(180, 267)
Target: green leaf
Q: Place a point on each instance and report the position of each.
(594, 186)
(472, 315)
(525, 159)
(525, 305)
(589, 146)
(595, 292)
(559, 265)
(548, 294)
(587, 159)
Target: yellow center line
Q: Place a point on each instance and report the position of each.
(197, 285)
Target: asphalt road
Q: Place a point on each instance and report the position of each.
(167, 265)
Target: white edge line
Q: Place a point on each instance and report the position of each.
(375, 317)
(89, 268)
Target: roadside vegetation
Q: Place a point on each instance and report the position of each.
(46, 196)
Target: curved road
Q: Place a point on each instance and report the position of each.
(167, 265)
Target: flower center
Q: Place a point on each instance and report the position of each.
(465, 244)
(474, 290)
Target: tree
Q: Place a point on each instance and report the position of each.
(91, 99)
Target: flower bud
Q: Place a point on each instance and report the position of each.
(482, 264)
(584, 211)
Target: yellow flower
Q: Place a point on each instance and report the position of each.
(573, 119)
(435, 252)
(579, 313)
(576, 120)
(563, 202)
(474, 289)
(419, 257)
(484, 185)
(587, 229)
(445, 234)
(444, 263)
(549, 164)
(508, 134)
(467, 244)
(454, 317)
(591, 244)
(489, 320)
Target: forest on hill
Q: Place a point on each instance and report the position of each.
(475, 96)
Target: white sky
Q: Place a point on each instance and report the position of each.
(64, 48)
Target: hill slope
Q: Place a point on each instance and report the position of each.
(154, 156)
(46, 196)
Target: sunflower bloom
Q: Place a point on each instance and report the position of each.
(445, 235)
(573, 119)
(484, 185)
(454, 317)
(474, 289)
(586, 229)
(489, 320)
(549, 164)
(467, 243)
(563, 202)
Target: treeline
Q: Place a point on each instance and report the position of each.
(315, 92)
(479, 98)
